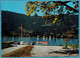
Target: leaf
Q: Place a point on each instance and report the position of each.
(39, 2)
(25, 5)
(45, 17)
(35, 3)
(56, 19)
(46, 22)
(76, 6)
(53, 21)
(34, 13)
(41, 11)
(37, 10)
(27, 14)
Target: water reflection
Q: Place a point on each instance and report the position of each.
(44, 39)
(61, 39)
(70, 41)
(37, 39)
(54, 41)
(51, 41)
(12, 38)
(29, 38)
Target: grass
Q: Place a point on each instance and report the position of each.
(72, 45)
(22, 52)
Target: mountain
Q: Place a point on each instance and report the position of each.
(12, 21)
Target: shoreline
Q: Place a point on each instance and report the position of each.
(43, 51)
(42, 37)
(51, 51)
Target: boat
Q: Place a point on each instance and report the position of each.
(39, 42)
(24, 43)
(9, 42)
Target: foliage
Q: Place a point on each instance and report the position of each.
(73, 45)
(51, 10)
(66, 40)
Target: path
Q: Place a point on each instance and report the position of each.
(8, 50)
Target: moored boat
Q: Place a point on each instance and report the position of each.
(42, 42)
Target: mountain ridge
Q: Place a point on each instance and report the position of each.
(36, 24)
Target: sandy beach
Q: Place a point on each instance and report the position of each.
(44, 51)
(51, 51)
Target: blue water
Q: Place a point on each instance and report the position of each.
(51, 41)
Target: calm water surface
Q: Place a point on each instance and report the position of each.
(51, 41)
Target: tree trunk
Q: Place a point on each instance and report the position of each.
(66, 46)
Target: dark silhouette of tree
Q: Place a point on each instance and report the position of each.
(4, 30)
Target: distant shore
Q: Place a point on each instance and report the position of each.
(44, 37)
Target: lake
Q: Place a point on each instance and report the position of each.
(51, 41)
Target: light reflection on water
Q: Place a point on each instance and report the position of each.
(51, 41)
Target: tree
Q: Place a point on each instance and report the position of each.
(52, 10)
(66, 41)
(68, 34)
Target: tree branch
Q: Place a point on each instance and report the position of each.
(68, 6)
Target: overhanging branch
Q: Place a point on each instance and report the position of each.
(68, 6)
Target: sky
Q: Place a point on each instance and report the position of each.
(14, 6)
(18, 6)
